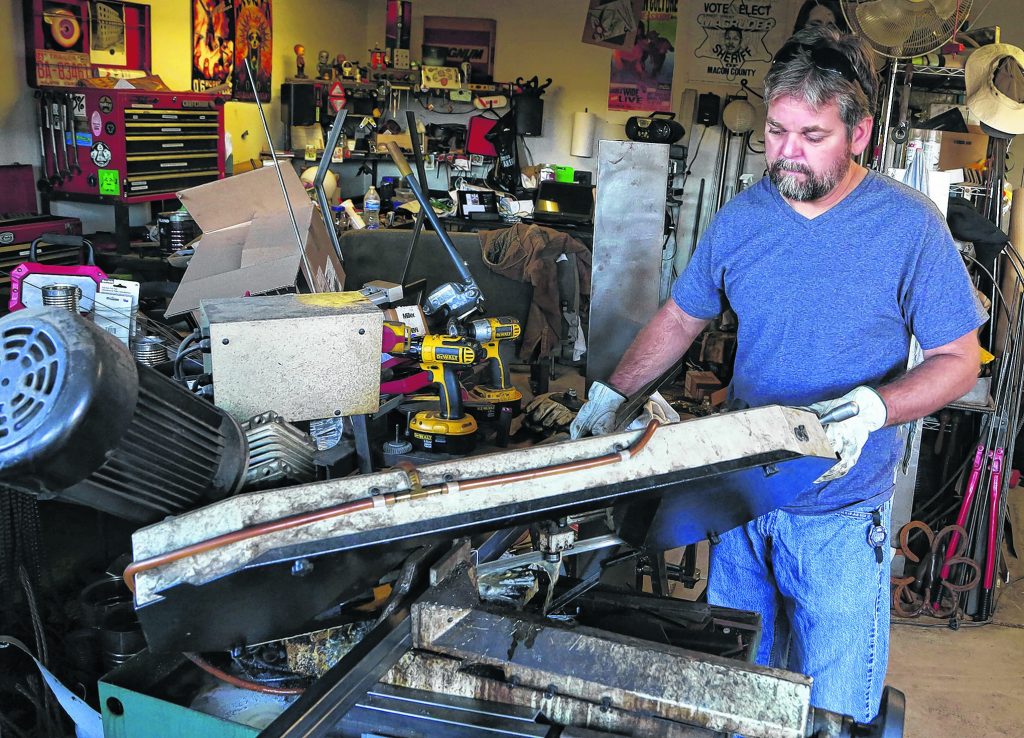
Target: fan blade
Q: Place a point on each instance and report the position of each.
(884, 23)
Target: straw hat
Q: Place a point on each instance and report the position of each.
(995, 86)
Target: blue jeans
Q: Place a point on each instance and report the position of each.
(822, 596)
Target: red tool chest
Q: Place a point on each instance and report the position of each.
(129, 145)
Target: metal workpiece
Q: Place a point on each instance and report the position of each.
(278, 451)
(595, 666)
(629, 236)
(444, 676)
(677, 456)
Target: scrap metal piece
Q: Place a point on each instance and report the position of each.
(277, 451)
(714, 468)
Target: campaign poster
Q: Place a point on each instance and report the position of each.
(213, 43)
(612, 23)
(641, 77)
(733, 41)
(253, 43)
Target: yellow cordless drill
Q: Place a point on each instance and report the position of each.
(448, 429)
(495, 336)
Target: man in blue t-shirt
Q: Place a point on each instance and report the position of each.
(830, 269)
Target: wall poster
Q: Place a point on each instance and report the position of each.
(732, 41)
(253, 42)
(612, 23)
(213, 43)
(641, 77)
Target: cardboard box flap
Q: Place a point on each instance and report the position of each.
(271, 237)
(257, 279)
(227, 202)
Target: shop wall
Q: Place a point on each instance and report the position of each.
(330, 24)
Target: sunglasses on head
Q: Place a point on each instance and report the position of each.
(825, 58)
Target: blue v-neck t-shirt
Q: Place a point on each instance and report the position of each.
(830, 303)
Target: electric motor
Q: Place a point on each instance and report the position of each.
(81, 421)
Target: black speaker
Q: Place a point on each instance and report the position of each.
(301, 104)
(529, 114)
(709, 106)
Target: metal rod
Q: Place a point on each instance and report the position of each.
(888, 116)
(406, 171)
(280, 178)
(321, 175)
(422, 173)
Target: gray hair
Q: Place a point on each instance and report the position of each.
(804, 80)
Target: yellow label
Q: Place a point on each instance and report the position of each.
(332, 299)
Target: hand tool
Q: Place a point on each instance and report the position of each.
(44, 161)
(448, 429)
(455, 300)
(57, 124)
(840, 413)
(495, 336)
(57, 176)
(68, 116)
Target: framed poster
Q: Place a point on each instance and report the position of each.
(612, 23)
(463, 40)
(253, 43)
(641, 77)
(727, 42)
(213, 43)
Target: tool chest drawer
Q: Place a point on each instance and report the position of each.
(130, 145)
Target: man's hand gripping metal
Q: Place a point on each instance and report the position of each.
(848, 421)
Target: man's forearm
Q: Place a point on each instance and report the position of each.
(659, 345)
(931, 385)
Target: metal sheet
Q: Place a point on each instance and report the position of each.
(633, 675)
(629, 234)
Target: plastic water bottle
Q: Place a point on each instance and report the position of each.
(371, 208)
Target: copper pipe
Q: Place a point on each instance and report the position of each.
(292, 521)
(300, 519)
(237, 681)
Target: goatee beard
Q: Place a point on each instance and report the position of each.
(813, 187)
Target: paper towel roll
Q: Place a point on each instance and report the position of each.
(583, 126)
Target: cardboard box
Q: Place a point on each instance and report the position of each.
(248, 242)
(957, 150)
(700, 384)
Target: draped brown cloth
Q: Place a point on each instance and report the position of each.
(527, 253)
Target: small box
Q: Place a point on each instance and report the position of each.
(957, 150)
(303, 356)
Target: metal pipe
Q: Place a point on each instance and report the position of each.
(280, 179)
(321, 175)
(888, 116)
(406, 171)
(421, 171)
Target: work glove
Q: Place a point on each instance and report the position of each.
(545, 414)
(849, 436)
(656, 408)
(597, 416)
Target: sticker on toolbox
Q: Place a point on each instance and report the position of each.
(100, 154)
(97, 123)
(78, 106)
(110, 128)
(106, 104)
(110, 182)
(7, 237)
(84, 139)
